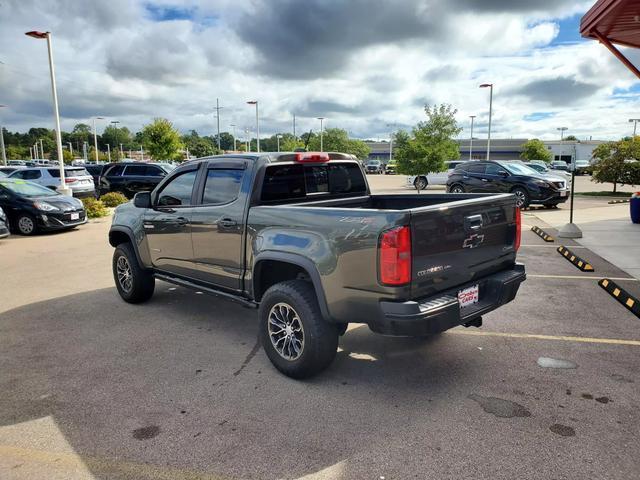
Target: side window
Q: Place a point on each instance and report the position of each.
(479, 168)
(493, 169)
(221, 186)
(32, 175)
(115, 171)
(153, 171)
(18, 174)
(178, 191)
(135, 170)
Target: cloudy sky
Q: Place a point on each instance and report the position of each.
(363, 64)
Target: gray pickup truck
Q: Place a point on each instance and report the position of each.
(301, 237)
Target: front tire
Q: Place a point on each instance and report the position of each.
(295, 337)
(26, 224)
(522, 197)
(134, 284)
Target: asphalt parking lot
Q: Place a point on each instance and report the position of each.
(178, 388)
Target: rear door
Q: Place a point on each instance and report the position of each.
(469, 239)
(167, 224)
(218, 222)
(474, 177)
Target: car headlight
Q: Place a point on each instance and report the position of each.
(45, 207)
(542, 183)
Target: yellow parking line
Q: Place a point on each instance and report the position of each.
(581, 277)
(100, 465)
(560, 338)
(530, 245)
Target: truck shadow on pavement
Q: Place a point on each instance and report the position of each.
(181, 383)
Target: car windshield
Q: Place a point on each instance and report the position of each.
(537, 167)
(167, 167)
(373, 162)
(519, 168)
(27, 189)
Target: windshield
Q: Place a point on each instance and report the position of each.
(539, 168)
(373, 162)
(519, 169)
(27, 189)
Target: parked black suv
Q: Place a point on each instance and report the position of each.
(130, 178)
(528, 185)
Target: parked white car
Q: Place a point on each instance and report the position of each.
(76, 178)
(433, 178)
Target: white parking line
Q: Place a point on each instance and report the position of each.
(580, 277)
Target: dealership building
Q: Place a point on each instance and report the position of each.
(503, 149)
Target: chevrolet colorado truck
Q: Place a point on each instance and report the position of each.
(300, 237)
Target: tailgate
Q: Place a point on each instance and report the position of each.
(461, 241)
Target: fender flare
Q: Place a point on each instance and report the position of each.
(303, 263)
(129, 233)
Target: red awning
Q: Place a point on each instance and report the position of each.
(614, 22)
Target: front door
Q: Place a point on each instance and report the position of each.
(218, 223)
(496, 177)
(167, 224)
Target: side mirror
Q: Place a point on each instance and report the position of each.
(142, 200)
(504, 174)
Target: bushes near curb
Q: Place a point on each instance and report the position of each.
(113, 199)
(95, 208)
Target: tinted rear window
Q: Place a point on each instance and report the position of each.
(69, 172)
(282, 182)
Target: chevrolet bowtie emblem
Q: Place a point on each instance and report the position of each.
(473, 241)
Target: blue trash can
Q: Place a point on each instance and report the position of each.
(635, 209)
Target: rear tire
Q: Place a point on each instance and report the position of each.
(134, 284)
(295, 337)
(421, 183)
(456, 189)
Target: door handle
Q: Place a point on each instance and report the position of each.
(484, 180)
(227, 223)
(473, 223)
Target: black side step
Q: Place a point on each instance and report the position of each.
(194, 286)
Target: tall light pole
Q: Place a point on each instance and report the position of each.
(41, 149)
(472, 117)
(278, 137)
(562, 130)
(490, 87)
(70, 148)
(218, 108)
(35, 150)
(95, 135)
(321, 133)
(635, 125)
(47, 36)
(255, 102)
(4, 154)
(115, 125)
(247, 140)
(109, 152)
(233, 125)
(294, 127)
(391, 140)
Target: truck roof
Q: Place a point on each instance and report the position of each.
(273, 157)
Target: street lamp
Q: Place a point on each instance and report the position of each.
(115, 125)
(635, 125)
(321, 133)
(278, 137)
(391, 140)
(109, 152)
(70, 148)
(490, 87)
(47, 36)
(4, 154)
(562, 130)
(95, 135)
(472, 117)
(255, 102)
(233, 125)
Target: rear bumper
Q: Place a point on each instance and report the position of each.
(442, 311)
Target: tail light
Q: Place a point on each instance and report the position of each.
(70, 180)
(395, 256)
(312, 157)
(516, 245)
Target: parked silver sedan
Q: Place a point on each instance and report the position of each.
(76, 178)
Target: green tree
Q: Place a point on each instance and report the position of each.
(534, 149)
(199, 146)
(161, 140)
(67, 157)
(16, 152)
(337, 140)
(611, 162)
(226, 141)
(430, 143)
(571, 138)
(114, 136)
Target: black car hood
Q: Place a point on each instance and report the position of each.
(62, 202)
